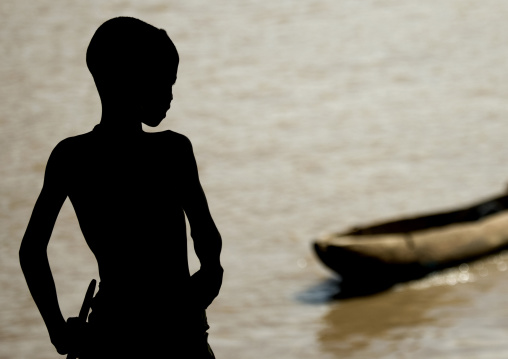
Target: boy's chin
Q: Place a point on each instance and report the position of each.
(153, 122)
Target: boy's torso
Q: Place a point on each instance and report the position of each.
(126, 192)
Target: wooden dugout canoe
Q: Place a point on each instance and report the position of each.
(380, 255)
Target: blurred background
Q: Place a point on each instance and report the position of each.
(306, 117)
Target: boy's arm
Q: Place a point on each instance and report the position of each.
(33, 256)
(207, 240)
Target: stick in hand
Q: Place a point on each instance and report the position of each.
(85, 308)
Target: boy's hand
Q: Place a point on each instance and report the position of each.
(205, 285)
(60, 341)
(69, 338)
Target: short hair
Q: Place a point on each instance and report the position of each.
(125, 49)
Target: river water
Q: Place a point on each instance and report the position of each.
(307, 118)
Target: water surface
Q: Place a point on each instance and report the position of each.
(306, 118)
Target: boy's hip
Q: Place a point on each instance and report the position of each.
(158, 338)
(145, 327)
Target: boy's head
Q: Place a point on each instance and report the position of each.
(134, 64)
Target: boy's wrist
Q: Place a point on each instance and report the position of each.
(55, 327)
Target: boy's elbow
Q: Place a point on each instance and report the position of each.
(24, 255)
(206, 234)
(27, 253)
(23, 251)
(23, 258)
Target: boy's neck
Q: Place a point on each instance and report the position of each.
(121, 123)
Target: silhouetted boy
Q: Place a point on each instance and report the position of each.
(130, 190)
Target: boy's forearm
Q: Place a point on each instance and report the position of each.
(208, 246)
(208, 280)
(37, 272)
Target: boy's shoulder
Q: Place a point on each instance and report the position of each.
(84, 142)
(168, 135)
(170, 140)
(70, 144)
(161, 136)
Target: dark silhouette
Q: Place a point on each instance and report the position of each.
(131, 191)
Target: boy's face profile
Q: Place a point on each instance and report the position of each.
(154, 97)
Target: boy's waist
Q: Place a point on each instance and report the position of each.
(144, 306)
(128, 290)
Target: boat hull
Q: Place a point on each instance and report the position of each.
(379, 256)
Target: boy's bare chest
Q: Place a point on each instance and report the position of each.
(116, 171)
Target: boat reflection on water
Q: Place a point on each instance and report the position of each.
(352, 326)
(440, 315)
